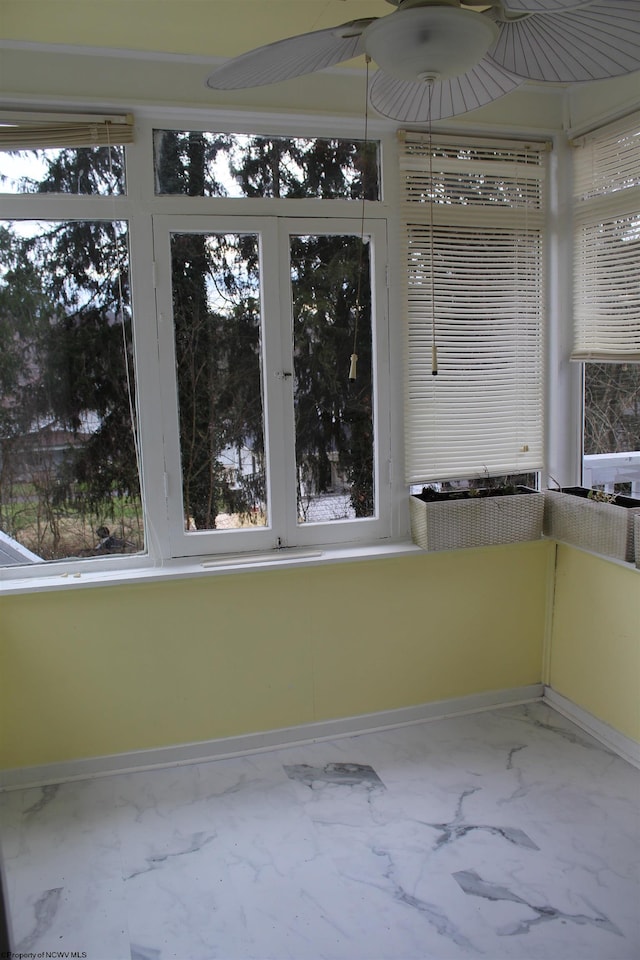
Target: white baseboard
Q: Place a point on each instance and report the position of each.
(202, 751)
(624, 746)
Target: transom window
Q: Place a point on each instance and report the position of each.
(202, 163)
(84, 171)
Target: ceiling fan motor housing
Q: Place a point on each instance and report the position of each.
(429, 42)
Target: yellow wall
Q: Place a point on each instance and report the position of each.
(107, 670)
(595, 643)
(201, 27)
(91, 672)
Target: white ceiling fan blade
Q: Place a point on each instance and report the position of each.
(408, 101)
(543, 6)
(292, 57)
(594, 42)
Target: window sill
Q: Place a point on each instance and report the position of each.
(187, 568)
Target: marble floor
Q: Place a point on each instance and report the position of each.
(504, 834)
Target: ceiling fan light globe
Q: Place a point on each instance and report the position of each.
(435, 42)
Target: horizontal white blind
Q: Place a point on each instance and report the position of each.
(25, 130)
(479, 246)
(607, 243)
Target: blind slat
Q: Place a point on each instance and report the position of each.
(24, 131)
(607, 243)
(479, 246)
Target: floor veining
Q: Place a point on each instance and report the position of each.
(508, 835)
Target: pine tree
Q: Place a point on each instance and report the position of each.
(77, 378)
(66, 360)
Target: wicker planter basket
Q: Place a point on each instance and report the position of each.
(604, 528)
(477, 521)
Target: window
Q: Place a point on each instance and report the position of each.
(611, 457)
(333, 413)
(238, 401)
(66, 375)
(607, 302)
(473, 215)
(271, 442)
(69, 480)
(201, 163)
(84, 171)
(274, 443)
(62, 153)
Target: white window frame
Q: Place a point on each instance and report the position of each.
(167, 553)
(282, 528)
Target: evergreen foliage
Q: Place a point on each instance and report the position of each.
(66, 354)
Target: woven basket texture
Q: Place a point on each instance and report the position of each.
(476, 522)
(603, 528)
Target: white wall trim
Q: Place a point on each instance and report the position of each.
(618, 742)
(129, 53)
(202, 751)
(188, 753)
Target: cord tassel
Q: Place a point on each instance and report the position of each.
(352, 368)
(434, 361)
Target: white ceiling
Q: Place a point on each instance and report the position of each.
(38, 35)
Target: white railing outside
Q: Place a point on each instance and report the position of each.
(609, 469)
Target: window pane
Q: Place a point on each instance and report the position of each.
(202, 164)
(69, 483)
(79, 170)
(612, 427)
(330, 279)
(217, 319)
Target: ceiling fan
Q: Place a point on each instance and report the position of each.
(437, 59)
